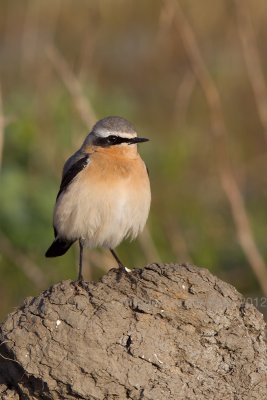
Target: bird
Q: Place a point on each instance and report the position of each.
(104, 195)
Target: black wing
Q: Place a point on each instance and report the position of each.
(70, 174)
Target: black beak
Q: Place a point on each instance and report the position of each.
(137, 140)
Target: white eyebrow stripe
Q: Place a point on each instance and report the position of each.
(105, 133)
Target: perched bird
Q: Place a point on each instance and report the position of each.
(104, 196)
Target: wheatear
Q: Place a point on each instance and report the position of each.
(104, 196)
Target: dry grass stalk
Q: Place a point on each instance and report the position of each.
(178, 244)
(73, 85)
(148, 246)
(252, 60)
(183, 96)
(29, 268)
(219, 130)
(2, 128)
(4, 121)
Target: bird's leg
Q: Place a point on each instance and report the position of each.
(120, 264)
(122, 269)
(80, 276)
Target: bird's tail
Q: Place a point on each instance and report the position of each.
(58, 247)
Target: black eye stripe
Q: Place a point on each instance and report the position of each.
(111, 140)
(114, 139)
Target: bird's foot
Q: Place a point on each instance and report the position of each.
(80, 278)
(80, 283)
(122, 270)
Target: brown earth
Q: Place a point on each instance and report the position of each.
(163, 332)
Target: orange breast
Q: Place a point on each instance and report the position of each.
(111, 165)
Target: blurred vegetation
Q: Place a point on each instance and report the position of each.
(130, 61)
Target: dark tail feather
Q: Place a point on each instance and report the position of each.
(58, 247)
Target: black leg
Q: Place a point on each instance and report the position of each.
(80, 276)
(122, 269)
(120, 264)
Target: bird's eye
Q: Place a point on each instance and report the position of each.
(112, 139)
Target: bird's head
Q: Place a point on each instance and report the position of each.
(111, 132)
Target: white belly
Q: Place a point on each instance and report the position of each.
(102, 216)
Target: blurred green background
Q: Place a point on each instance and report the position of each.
(59, 58)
